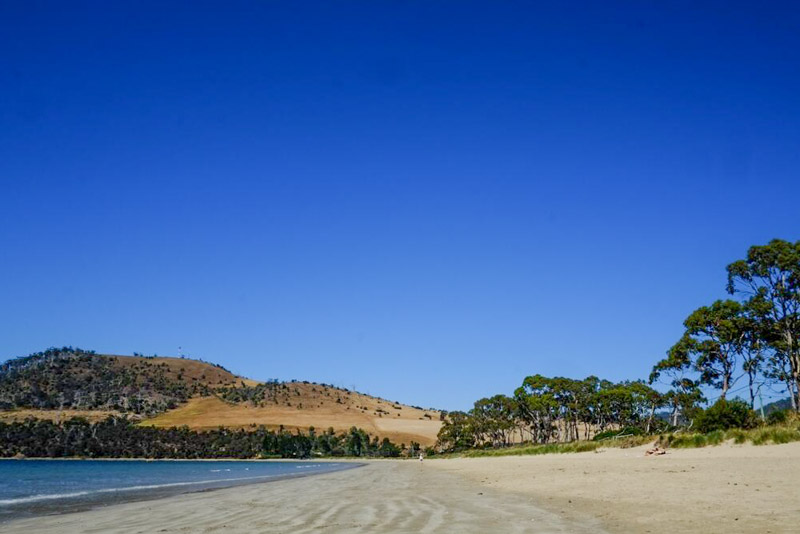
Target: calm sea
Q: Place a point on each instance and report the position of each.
(32, 487)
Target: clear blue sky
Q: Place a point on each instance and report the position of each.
(426, 200)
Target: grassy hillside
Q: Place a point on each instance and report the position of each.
(301, 405)
(58, 384)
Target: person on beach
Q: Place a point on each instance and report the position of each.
(420, 457)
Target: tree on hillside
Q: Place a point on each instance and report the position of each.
(770, 279)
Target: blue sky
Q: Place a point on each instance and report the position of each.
(425, 200)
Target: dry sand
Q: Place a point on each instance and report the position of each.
(382, 497)
(718, 489)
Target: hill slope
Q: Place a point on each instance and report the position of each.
(62, 383)
(299, 405)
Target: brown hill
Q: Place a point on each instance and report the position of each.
(299, 405)
(162, 391)
(183, 370)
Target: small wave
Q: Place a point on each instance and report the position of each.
(34, 498)
(54, 496)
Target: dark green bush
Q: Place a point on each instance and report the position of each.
(725, 414)
(778, 417)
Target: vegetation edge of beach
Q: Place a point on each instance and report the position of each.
(764, 435)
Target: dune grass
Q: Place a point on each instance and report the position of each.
(555, 448)
(765, 435)
(762, 435)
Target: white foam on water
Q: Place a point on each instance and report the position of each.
(54, 496)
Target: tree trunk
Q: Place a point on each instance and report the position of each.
(650, 419)
(792, 396)
(796, 393)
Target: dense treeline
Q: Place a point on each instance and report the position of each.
(118, 437)
(747, 344)
(544, 410)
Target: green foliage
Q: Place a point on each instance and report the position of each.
(777, 417)
(556, 448)
(724, 415)
(119, 438)
(258, 395)
(769, 278)
(456, 433)
(757, 436)
(545, 410)
(73, 378)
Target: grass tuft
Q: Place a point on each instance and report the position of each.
(557, 448)
(772, 434)
(775, 434)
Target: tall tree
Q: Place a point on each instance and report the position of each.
(685, 393)
(770, 279)
(753, 349)
(714, 340)
(494, 418)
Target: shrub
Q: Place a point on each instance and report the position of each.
(627, 431)
(725, 414)
(778, 417)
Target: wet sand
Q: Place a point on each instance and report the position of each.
(381, 497)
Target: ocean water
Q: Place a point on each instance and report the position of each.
(33, 487)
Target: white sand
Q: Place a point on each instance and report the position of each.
(723, 489)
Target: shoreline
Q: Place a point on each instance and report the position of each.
(88, 459)
(86, 500)
(722, 489)
(386, 496)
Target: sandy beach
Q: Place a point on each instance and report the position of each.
(721, 489)
(383, 496)
(716, 489)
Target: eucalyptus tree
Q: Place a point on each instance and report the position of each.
(685, 394)
(644, 401)
(714, 340)
(494, 418)
(537, 407)
(769, 277)
(457, 432)
(755, 364)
